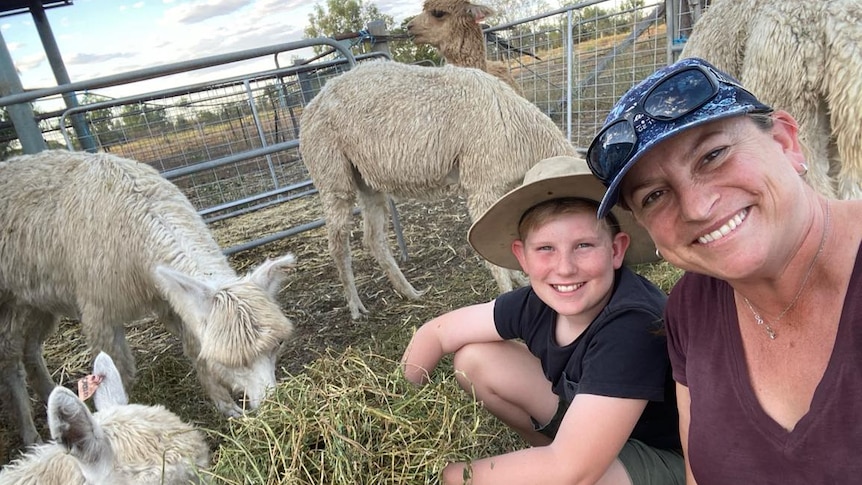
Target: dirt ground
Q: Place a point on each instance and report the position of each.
(440, 262)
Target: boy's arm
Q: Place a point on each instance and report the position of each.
(446, 334)
(590, 437)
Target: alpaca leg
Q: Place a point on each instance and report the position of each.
(42, 325)
(103, 336)
(12, 374)
(850, 182)
(339, 218)
(814, 137)
(374, 218)
(844, 88)
(772, 38)
(12, 382)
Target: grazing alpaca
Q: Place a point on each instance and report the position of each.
(108, 240)
(121, 443)
(453, 28)
(415, 132)
(804, 57)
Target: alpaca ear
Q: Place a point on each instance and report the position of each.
(110, 391)
(73, 426)
(479, 12)
(271, 273)
(191, 299)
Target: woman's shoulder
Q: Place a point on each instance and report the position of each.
(697, 291)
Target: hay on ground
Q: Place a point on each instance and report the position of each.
(353, 418)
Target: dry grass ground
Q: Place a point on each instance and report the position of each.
(440, 261)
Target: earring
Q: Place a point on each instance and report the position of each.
(804, 169)
(658, 254)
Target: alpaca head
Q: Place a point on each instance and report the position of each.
(448, 24)
(234, 330)
(121, 442)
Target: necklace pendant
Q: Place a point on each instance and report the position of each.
(770, 332)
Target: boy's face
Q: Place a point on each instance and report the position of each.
(570, 260)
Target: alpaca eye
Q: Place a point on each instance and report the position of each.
(438, 14)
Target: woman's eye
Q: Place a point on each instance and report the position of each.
(713, 155)
(651, 198)
(584, 245)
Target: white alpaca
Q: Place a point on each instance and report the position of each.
(804, 57)
(454, 28)
(416, 132)
(108, 240)
(121, 443)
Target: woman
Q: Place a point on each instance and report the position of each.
(576, 363)
(764, 328)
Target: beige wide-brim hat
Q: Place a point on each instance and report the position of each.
(494, 232)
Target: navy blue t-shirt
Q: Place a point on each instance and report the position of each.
(622, 353)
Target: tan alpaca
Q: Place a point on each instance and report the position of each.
(453, 28)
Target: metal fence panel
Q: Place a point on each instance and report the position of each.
(232, 145)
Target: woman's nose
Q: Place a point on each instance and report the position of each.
(696, 202)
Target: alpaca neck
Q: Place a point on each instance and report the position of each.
(468, 51)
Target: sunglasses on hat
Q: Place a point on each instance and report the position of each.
(677, 94)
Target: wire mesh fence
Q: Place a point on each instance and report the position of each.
(572, 63)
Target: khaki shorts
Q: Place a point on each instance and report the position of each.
(652, 466)
(644, 464)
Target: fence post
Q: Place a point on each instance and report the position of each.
(377, 28)
(672, 17)
(23, 118)
(82, 130)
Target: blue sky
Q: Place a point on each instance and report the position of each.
(103, 37)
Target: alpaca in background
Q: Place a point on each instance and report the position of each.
(416, 132)
(454, 28)
(806, 58)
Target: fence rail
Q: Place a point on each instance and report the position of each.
(232, 145)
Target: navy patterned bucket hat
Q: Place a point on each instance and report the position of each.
(673, 99)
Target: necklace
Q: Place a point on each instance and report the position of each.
(759, 319)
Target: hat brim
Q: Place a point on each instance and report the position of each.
(493, 233)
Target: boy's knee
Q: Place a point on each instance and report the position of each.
(469, 357)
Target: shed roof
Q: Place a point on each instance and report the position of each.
(13, 7)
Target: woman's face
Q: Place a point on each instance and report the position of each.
(716, 198)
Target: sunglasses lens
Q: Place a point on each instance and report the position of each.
(612, 149)
(679, 95)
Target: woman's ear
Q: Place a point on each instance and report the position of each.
(620, 244)
(785, 131)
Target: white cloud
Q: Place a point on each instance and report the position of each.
(191, 13)
(28, 63)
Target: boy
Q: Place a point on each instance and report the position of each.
(588, 385)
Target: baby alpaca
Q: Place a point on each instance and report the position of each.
(121, 443)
